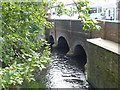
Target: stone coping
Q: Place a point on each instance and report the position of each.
(106, 44)
(111, 21)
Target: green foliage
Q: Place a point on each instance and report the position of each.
(22, 52)
(60, 9)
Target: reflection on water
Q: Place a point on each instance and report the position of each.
(63, 72)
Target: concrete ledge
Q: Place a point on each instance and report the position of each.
(106, 44)
(111, 21)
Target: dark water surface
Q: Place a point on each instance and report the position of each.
(63, 72)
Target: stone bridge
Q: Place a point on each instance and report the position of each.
(69, 36)
(99, 49)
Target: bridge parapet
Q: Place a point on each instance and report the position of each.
(72, 26)
(110, 30)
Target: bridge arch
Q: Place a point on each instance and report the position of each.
(63, 44)
(80, 54)
(51, 40)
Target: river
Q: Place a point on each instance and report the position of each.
(63, 72)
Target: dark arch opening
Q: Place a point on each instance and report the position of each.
(80, 54)
(63, 45)
(51, 40)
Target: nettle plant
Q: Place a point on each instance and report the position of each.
(21, 50)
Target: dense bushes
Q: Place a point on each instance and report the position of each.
(22, 52)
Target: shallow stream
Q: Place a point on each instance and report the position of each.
(63, 72)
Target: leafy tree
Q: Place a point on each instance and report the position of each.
(22, 51)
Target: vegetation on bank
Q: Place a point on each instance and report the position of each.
(23, 48)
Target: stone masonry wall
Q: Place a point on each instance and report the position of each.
(102, 67)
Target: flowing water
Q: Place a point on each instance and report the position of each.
(63, 72)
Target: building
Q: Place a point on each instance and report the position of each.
(118, 10)
(105, 8)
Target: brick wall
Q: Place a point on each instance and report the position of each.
(109, 30)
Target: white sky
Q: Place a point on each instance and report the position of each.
(66, 1)
(93, 2)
